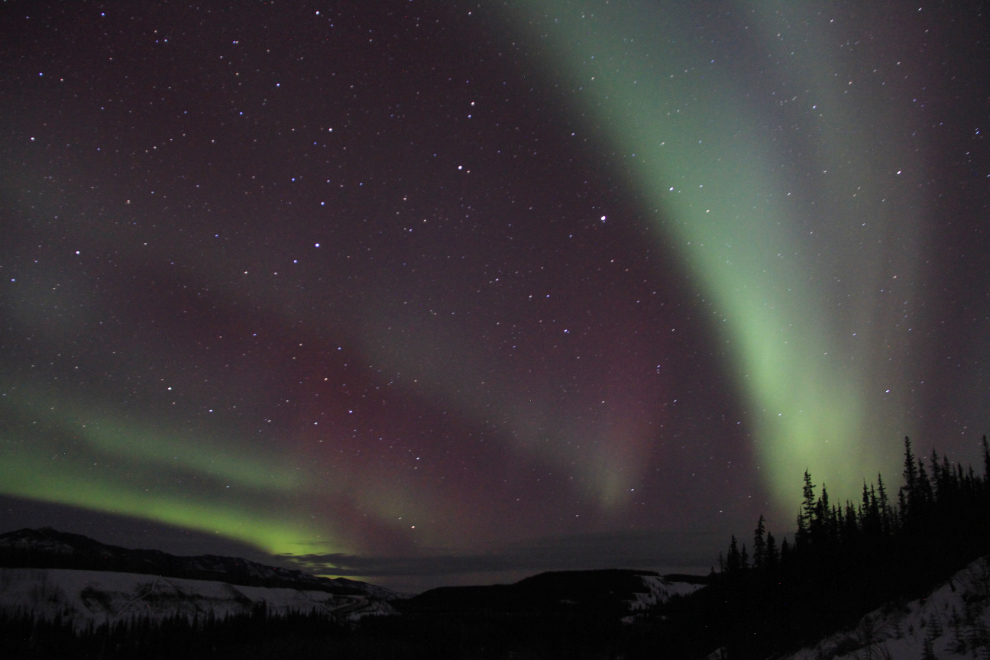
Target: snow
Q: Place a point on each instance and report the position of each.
(955, 618)
(660, 591)
(85, 597)
(47, 547)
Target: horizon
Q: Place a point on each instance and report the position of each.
(433, 571)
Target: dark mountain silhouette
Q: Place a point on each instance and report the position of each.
(49, 548)
(600, 592)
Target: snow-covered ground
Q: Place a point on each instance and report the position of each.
(98, 596)
(952, 622)
(660, 591)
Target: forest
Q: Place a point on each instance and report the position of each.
(845, 561)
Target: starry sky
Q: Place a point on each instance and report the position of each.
(448, 292)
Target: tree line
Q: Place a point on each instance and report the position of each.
(845, 560)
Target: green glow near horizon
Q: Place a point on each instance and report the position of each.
(698, 150)
(130, 469)
(65, 484)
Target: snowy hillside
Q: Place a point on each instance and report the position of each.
(49, 548)
(96, 597)
(657, 589)
(952, 622)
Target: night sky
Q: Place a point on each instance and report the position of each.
(445, 292)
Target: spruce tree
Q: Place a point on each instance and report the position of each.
(732, 562)
(873, 512)
(759, 545)
(938, 481)
(926, 495)
(850, 529)
(910, 477)
(820, 523)
(809, 498)
(771, 558)
(801, 535)
(806, 517)
(884, 504)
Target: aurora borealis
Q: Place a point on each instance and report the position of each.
(438, 292)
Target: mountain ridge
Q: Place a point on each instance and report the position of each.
(616, 592)
(48, 548)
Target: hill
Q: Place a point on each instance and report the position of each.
(950, 622)
(49, 548)
(609, 593)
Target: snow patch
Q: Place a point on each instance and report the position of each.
(658, 590)
(96, 597)
(952, 622)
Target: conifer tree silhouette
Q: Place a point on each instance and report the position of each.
(910, 480)
(759, 545)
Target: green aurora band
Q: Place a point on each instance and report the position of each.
(709, 157)
(145, 471)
